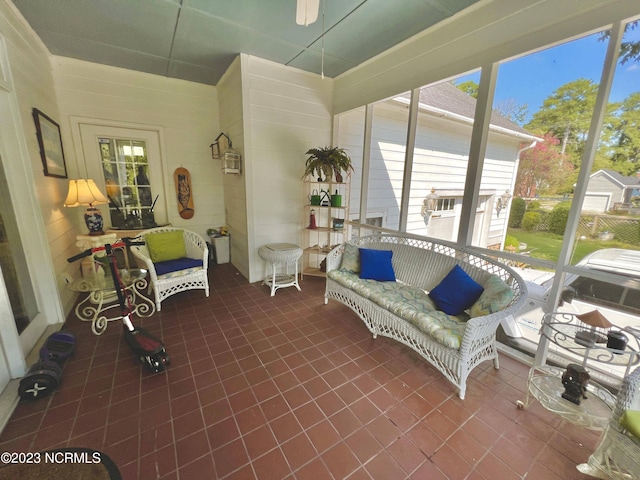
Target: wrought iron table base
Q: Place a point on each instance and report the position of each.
(94, 307)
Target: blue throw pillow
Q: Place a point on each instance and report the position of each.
(376, 265)
(456, 292)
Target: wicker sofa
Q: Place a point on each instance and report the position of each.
(403, 310)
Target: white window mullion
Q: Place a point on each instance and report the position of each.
(479, 136)
(366, 162)
(408, 158)
(586, 164)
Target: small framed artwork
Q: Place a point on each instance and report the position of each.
(50, 142)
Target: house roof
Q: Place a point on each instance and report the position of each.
(617, 177)
(446, 97)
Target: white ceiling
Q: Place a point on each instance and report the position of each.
(196, 40)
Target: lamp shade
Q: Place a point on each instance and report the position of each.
(84, 192)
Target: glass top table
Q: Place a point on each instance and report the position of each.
(590, 343)
(593, 412)
(586, 345)
(101, 305)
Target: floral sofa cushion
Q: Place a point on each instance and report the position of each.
(409, 303)
(350, 258)
(496, 297)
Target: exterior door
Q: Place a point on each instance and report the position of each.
(15, 271)
(6, 330)
(27, 304)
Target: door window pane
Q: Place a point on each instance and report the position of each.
(127, 172)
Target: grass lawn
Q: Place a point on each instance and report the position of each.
(547, 245)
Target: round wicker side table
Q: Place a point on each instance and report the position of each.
(285, 254)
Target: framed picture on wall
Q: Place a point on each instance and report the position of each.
(50, 141)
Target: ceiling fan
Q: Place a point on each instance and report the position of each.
(307, 12)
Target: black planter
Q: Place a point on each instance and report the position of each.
(616, 340)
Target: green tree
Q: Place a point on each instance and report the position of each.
(566, 114)
(469, 87)
(626, 149)
(629, 50)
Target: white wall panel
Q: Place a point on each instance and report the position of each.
(184, 113)
(230, 104)
(288, 112)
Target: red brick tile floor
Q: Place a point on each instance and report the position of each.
(287, 387)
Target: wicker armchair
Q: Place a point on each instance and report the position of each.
(166, 284)
(617, 456)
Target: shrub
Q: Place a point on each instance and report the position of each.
(518, 207)
(531, 220)
(511, 241)
(558, 218)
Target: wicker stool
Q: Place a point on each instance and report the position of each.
(276, 253)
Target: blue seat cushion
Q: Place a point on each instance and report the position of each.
(176, 265)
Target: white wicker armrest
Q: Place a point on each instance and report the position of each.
(334, 258)
(195, 246)
(141, 252)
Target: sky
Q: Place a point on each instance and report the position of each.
(531, 79)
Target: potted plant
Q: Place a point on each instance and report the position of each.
(325, 161)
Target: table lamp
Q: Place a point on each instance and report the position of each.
(85, 192)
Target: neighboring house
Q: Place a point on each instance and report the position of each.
(607, 189)
(440, 161)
